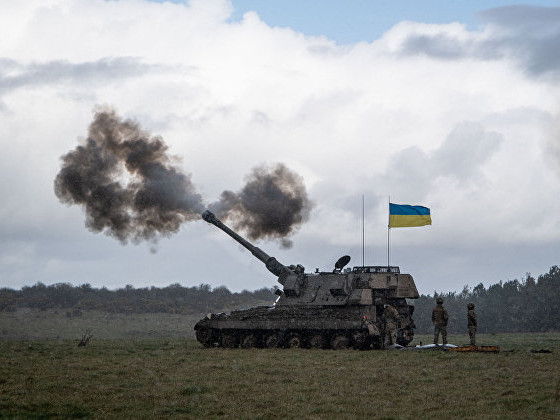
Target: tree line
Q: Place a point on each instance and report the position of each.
(172, 299)
(529, 305)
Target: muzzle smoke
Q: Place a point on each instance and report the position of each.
(272, 204)
(131, 190)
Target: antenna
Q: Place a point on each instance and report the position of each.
(389, 235)
(363, 234)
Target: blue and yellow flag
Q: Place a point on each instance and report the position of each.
(403, 215)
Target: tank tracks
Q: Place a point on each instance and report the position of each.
(330, 339)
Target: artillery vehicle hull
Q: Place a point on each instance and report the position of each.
(306, 327)
(317, 310)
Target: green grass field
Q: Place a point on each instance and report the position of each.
(33, 324)
(177, 378)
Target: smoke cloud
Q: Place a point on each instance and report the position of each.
(272, 204)
(126, 181)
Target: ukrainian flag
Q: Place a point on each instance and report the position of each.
(403, 215)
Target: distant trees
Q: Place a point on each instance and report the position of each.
(514, 306)
(530, 305)
(172, 299)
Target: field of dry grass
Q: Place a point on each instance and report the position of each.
(33, 324)
(177, 378)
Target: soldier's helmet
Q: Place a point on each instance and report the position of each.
(470, 306)
(439, 300)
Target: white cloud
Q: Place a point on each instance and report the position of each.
(461, 121)
(528, 35)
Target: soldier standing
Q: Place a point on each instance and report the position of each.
(391, 317)
(471, 323)
(439, 318)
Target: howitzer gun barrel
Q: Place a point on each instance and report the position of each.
(275, 267)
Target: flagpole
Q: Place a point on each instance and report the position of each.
(363, 234)
(389, 234)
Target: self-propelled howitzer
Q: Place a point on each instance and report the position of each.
(335, 309)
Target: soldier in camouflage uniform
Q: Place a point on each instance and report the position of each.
(439, 318)
(471, 323)
(391, 318)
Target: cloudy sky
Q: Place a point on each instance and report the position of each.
(447, 104)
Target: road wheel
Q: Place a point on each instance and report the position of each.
(249, 341)
(361, 340)
(229, 340)
(339, 342)
(205, 337)
(293, 341)
(316, 341)
(272, 341)
(377, 343)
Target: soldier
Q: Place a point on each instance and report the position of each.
(439, 318)
(391, 317)
(471, 323)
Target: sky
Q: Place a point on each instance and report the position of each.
(447, 104)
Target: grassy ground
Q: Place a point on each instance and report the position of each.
(177, 378)
(33, 324)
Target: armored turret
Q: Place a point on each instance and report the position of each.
(336, 309)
